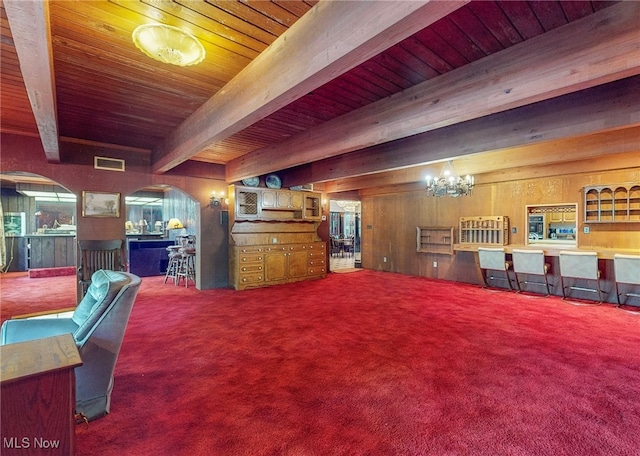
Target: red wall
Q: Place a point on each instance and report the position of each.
(25, 154)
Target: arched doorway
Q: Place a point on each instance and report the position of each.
(38, 223)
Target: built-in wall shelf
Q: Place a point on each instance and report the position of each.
(615, 203)
(435, 239)
(491, 229)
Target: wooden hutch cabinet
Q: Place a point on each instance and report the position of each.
(273, 237)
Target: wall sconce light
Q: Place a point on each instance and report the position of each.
(217, 199)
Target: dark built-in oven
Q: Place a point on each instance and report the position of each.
(536, 226)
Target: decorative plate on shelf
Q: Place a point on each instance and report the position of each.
(273, 181)
(251, 181)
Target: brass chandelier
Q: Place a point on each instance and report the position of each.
(450, 183)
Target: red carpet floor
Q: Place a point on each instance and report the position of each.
(362, 364)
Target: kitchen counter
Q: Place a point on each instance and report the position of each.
(52, 235)
(51, 250)
(551, 250)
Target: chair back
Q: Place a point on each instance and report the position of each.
(492, 258)
(335, 245)
(627, 268)
(528, 261)
(580, 265)
(101, 335)
(96, 255)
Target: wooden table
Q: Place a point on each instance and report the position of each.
(345, 245)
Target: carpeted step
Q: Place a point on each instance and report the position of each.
(51, 272)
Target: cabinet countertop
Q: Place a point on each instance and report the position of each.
(51, 235)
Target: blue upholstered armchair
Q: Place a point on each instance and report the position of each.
(97, 325)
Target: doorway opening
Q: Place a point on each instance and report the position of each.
(345, 234)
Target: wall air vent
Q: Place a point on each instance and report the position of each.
(110, 164)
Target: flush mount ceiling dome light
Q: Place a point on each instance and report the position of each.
(168, 44)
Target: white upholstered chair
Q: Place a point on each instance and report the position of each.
(627, 272)
(493, 259)
(530, 262)
(579, 265)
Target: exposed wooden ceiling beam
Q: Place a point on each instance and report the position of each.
(29, 23)
(607, 107)
(502, 163)
(553, 64)
(330, 39)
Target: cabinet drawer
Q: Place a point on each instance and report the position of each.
(279, 248)
(315, 246)
(317, 262)
(250, 278)
(242, 250)
(317, 254)
(251, 268)
(316, 270)
(251, 258)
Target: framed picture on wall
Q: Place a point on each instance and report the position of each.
(100, 204)
(14, 224)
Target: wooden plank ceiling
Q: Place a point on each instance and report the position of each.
(255, 106)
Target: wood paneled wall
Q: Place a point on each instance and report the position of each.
(390, 217)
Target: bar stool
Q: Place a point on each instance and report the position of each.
(175, 257)
(530, 262)
(627, 271)
(579, 265)
(494, 259)
(186, 266)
